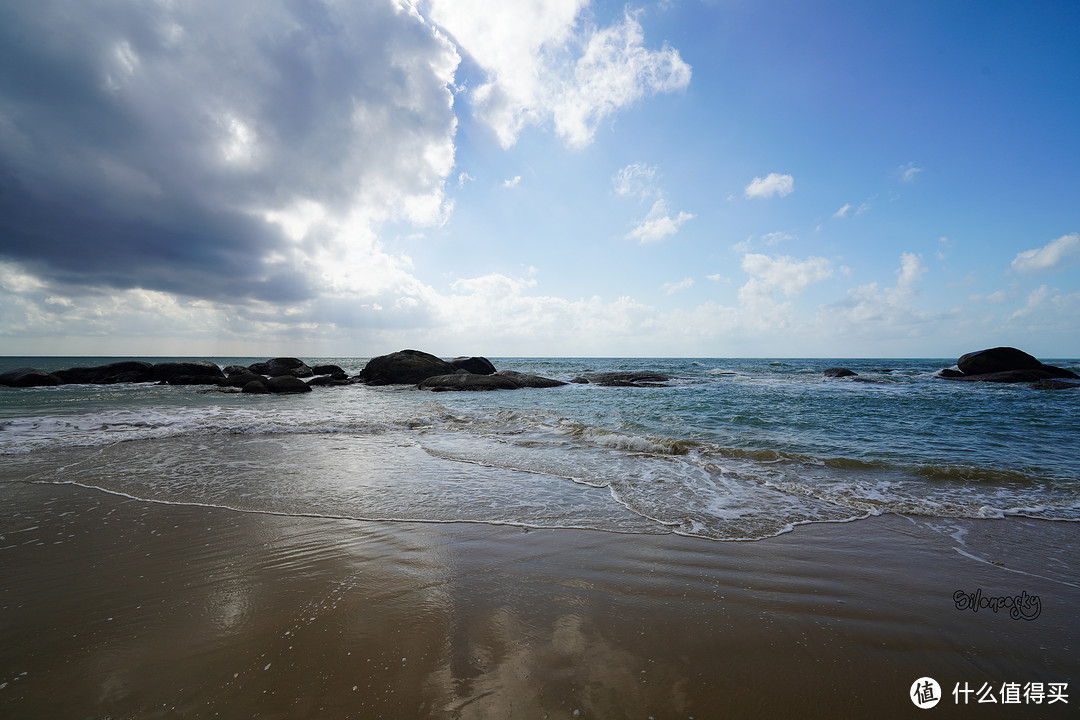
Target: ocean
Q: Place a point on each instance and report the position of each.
(729, 449)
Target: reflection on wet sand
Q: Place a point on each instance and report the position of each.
(122, 608)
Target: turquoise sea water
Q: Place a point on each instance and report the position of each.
(731, 449)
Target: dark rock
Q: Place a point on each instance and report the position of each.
(838, 372)
(240, 379)
(231, 370)
(164, 372)
(1003, 365)
(995, 360)
(327, 370)
(626, 379)
(125, 371)
(256, 387)
(1005, 376)
(1053, 385)
(405, 367)
(467, 381)
(329, 380)
(28, 377)
(529, 381)
(278, 367)
(192, 380)
(475, 365)
(286, 384)
(580, 381)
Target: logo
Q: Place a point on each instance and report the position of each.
(925, 693)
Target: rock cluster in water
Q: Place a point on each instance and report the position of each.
(291, 375)
(1008, 365)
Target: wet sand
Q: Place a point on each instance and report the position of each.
(119, 608)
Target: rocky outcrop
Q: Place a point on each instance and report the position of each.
(524, 380)
(28, 377)
(208, 372)
(624, 379)
(125, 371)
(467, 381)
(475, 365)
(405, 367)
(838, 372)
(1003, 365)
(328, 370)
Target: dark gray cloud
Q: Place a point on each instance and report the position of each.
(143, 143)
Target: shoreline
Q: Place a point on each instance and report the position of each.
(123, 608)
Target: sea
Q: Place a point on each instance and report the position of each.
(728, 449)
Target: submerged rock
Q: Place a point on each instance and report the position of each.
(28, 377)
(1053, 385)
(525, 380)
(405, 367)
(838, 372)
(468, 381)
(624, 379)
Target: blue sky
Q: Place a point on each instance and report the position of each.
(555, 177)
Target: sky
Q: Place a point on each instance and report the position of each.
(682, 178)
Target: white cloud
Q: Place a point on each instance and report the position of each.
(844, 211)
(1055, 255)
(770, 185)
(673, 287)
(544, 65)
(636, 179)
(658, 224)
(512, 182)
(785, 274)
(907, 172)
(888, 308)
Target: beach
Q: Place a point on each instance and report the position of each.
(124, 608)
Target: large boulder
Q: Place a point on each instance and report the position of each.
(529, 381)
(125, 371)
(208, 371)
(28, 377)
(997, 359)
(467, 381)
(1003, 365)
(405, 367)
(475, 365)
(282, 384)
(256, 387)
(838, 372)
(327, 370)
(240, 379)
(282, 366)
